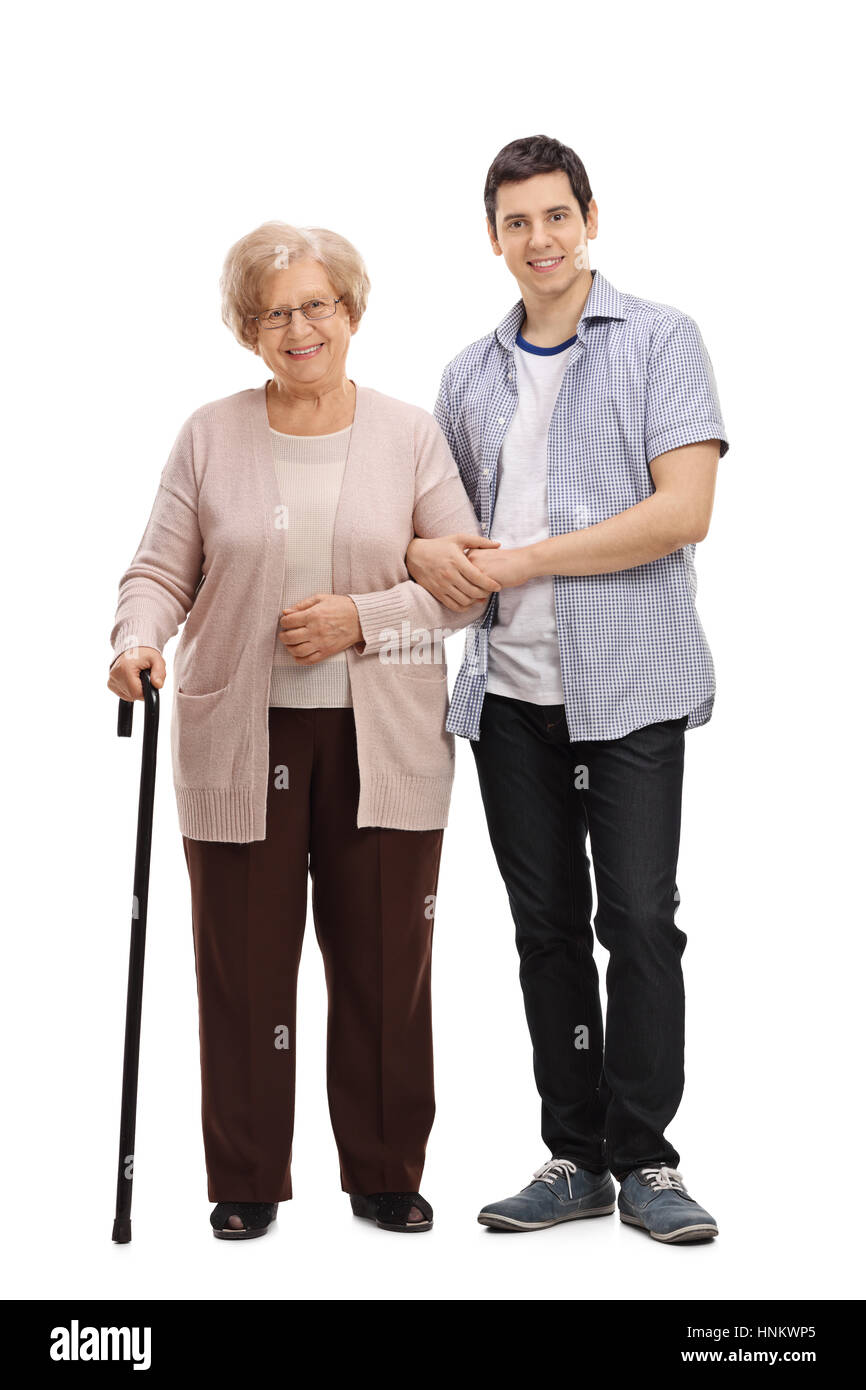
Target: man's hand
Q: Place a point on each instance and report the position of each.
(319, 627)
(442, 567)
(509, 568)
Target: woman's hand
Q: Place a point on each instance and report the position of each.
(442, 567)
(319, 627)
(124, 677)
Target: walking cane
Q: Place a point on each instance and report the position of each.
(122, 1232)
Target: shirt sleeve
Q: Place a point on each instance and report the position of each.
(157, 590)
(442, 415)
(682, 403)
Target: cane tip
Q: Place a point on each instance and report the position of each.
(122, 1232)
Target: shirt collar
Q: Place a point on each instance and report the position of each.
(604, 301)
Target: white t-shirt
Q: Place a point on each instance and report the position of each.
(523, 649)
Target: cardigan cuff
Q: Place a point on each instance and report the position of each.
(134, 632)
(381, 615)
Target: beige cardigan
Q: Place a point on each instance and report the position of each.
(212, 554)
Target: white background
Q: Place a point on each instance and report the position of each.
(722, 145)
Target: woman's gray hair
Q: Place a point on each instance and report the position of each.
(273, 246)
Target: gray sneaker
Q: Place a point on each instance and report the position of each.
(559, 1191)
(656, 1200)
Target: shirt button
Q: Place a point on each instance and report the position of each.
(502, 419)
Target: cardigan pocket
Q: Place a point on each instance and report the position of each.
(403, 717)
(200, 695)
(210, 745)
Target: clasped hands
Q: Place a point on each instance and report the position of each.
(319, 627)
(457, 570)
(463, 569)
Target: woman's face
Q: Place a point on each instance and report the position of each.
(307, 357)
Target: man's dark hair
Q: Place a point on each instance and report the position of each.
(535, 154)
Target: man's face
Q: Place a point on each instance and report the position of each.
(541, 233)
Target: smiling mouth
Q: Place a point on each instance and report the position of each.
(549, 263)
(304, 352)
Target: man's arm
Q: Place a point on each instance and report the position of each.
(677, 514)
(684, 439)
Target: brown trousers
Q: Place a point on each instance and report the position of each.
(373, 894)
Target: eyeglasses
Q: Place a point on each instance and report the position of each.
(282, 317)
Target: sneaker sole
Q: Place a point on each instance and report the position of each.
(510, 1223)
(681, 1236)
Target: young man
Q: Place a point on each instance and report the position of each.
(587, 431)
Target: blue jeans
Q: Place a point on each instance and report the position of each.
(607, 1096)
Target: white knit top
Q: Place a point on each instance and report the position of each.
(309, 470)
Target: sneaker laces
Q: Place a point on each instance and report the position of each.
(556, 1168)
(664, 1177)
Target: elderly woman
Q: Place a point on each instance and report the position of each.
(307, 728)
